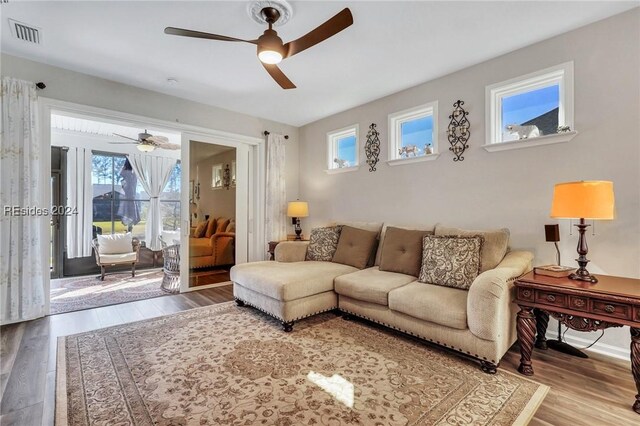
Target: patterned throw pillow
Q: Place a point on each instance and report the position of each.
(323, 243)
(450, 261)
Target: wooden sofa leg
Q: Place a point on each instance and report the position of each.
(239, 302)
(346, 316)
(287, 326)
(101, 273)
(489, 367)
(133, 269)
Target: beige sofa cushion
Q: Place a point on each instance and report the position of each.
(402, 251)
(288, 281)
(494, 246)
(450, 261)
(371, 284)
(355, 247)
(383, 234)
(377, 227)
(441, 305)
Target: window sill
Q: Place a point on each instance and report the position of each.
(341, 170)
(527, 143)
(411, 160)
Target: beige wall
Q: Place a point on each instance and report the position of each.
(214, 202)
(70, 86)
(512, 188)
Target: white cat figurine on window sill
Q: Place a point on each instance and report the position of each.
(523, 132)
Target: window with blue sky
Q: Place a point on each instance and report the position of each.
(418, 133)
(346, 149)
(539, 107)
(342, 147)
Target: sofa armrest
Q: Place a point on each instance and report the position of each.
(291, 251)
(490, 296)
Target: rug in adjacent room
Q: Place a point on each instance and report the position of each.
(74, 294)
(228, 365)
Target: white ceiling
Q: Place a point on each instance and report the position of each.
(392, 45)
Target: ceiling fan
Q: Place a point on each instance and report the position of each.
(271, 49)
(147, 142)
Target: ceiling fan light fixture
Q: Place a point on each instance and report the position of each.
(270, 56)
(145, 147)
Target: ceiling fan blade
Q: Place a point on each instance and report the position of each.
(124, 143)
(126, 137)
(198, 34)
(158, 139)
(277, 74)
(330, 28)
(167, 145)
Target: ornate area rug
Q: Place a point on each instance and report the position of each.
(235, 366)
(74, 294)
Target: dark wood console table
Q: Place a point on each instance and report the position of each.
(579, 305)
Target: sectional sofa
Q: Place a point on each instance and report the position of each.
(478, 321)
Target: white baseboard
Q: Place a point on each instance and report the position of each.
(600, 348)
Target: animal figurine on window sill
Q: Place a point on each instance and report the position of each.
(405, 151)
(523, 132)
(341, 163)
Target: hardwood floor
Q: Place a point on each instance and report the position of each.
(595, 391)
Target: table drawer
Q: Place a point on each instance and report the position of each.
(579, 303)
(525, 294)
(551, 298)
(610, 309)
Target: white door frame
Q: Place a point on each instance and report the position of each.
(254, 145)
(249, 206)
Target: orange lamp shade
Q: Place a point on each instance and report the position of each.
(298, 209)
(592, 199)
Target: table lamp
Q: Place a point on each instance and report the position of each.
(583, 200)
(296, 210)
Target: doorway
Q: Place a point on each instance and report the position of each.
(212, 209)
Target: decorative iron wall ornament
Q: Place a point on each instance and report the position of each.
(226, 177)
(458, 131)
(372, 147)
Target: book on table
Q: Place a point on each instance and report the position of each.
(556, 271)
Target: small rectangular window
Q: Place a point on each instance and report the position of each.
(413, 133)
(216, 176)
(531, 106)
(343, 149)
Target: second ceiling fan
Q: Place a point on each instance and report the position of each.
(271, 49)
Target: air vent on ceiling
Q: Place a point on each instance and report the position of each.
(25, 32)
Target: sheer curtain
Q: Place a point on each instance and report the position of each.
(276, 194)
(21, 237)
(153, 174)
(79, 194)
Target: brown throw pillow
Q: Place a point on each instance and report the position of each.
(495, 244)
(450, 261)
(323, 243)
(355, 247)
(222, 224)
(402, 251)
(201, 229)
(211, 228)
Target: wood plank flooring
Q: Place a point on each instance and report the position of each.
(596, 391)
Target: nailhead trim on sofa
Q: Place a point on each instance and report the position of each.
(280, 319)
(476, 356)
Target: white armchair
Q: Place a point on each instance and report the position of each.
(116, 249)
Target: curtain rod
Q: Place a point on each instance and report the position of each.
(266, 133)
